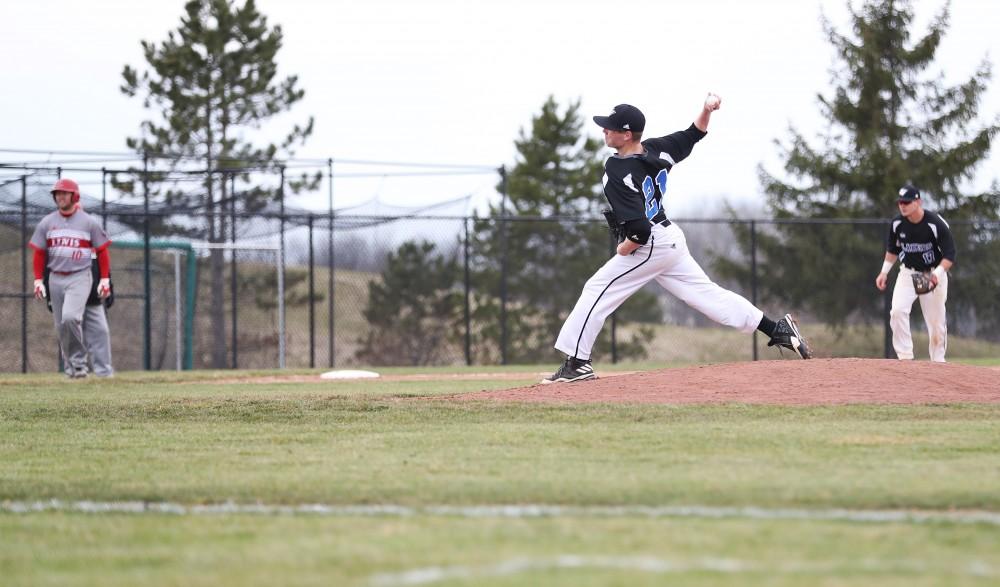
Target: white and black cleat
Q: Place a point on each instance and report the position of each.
(572, 370)
(787, 335)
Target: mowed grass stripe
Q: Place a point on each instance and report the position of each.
(527, 568)
(503, 511)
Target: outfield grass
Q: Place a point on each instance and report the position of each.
(191, 439)
(62, 549)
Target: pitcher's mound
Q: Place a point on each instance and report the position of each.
(819, 381)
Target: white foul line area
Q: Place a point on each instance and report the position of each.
(653, 565)
(506, 511)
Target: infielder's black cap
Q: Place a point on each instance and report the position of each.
(622, 117)
(908, 193)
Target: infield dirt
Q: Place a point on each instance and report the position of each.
(815, 382)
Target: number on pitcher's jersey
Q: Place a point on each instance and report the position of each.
(636, 185)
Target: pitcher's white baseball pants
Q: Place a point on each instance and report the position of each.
(666, 259)
(932, 305)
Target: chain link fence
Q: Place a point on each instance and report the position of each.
(298, 290)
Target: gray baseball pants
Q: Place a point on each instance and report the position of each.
(69, 294)
(97, 338)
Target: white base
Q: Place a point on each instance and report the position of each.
(349, 374)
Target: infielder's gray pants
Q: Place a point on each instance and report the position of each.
(97, 338)
(69, 294)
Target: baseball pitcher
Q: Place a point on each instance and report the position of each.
(653, 247)
(923, 243)
(63, 243)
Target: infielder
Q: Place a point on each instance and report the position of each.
(635, 183)
(63, 242)
(923, 243)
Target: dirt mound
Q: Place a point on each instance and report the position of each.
(815, 382)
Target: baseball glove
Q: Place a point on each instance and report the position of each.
(95, 299)
(616, 228)
(922, 282)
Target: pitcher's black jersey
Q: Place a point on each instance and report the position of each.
(636, 185)
(921, 246)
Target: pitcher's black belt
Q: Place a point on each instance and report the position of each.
(661, 219)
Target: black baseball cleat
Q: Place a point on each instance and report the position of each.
(572, 370)
(786, 334)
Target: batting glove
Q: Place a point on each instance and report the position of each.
(104, 287)
(40, 293)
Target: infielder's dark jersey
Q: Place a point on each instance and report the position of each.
(921, 246)
(636, 185)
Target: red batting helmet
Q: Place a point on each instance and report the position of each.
(67, 185)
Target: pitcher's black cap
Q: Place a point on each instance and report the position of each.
(908, 193)
(623, 117)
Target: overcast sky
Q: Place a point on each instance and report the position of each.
(442, 81)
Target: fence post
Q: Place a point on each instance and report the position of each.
(281, 272)
(178, 311)
(104, 199)
(233, 277)
(888, 350)
(468, 287)
(147, 314)
(312, 299)
(24, 274)
(886, 324)
(503, 265)
(753, 277)
(330, 272)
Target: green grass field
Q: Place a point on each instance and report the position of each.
(625, 494)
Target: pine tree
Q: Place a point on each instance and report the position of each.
(888, 124)
(414, 310)
(211, 81)
(557, 176)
